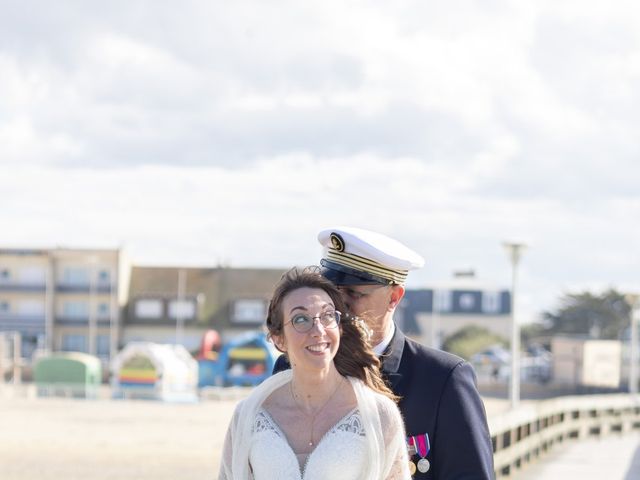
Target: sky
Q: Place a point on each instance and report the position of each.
(229, 133)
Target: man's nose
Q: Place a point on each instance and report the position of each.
(346, 299)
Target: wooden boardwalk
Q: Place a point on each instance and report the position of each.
(49, 439)
(612, 457)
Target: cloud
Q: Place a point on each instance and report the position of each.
(235, 131)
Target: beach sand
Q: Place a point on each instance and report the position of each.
(69, 439)
(55, 439)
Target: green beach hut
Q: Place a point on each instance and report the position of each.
(68, 374)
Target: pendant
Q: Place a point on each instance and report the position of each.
(412, 468)
(423, 465)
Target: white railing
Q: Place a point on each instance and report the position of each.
(522, 435)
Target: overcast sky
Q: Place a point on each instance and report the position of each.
(206, 132)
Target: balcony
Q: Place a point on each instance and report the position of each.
(23, 287)
(81, 321)
(22, 323)
(98, 287)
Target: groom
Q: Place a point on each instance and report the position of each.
(444, 417)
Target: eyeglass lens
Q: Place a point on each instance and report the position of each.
(304, 323)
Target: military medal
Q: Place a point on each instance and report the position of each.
(423, 447)
(411, 447)
(423, 465)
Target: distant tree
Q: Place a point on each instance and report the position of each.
(601, 316)
(535, 333)
(470, 340)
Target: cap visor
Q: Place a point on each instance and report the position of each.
(342, 275)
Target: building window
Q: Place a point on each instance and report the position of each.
(32, 276)
(75, 276)
(148, 308)
(103, 345)
(467, 301)
(491, 302)
(249, 311)
(31, 308)
(185, 308)
(5, 274)
(103, 277)
(443, 300)
(74, 343)
(4, 306)
(103, 310)
(75, 310)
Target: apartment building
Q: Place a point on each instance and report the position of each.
(64, 299)
(431, 314)
(179, 304)
(24, 296)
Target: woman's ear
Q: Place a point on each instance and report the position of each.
(278, 341)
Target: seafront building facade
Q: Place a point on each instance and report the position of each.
(95, 301)
(64, 299)
(431, 314)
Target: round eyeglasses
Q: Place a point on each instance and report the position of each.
(302, 323)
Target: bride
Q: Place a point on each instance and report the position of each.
(331, 415)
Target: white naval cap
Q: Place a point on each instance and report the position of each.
(353, 256)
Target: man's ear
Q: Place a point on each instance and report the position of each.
(397, 292)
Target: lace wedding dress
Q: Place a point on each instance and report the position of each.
(366, 444)
(339, 454)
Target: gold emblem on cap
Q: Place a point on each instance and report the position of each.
(337, 242)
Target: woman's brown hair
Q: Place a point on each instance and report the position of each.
(354, 356)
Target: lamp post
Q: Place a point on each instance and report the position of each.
(113, 312)
(633, 347)
(93, 325)
(182, 281)
(49, 280)
(514, 252)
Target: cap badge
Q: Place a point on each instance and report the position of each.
(337, 242)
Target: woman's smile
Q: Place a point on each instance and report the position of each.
(319, 347)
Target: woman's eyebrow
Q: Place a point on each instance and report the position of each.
(298, 308)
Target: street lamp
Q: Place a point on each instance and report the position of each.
(92, 260)
(49, 286)
(182, 286)
(634, 301)
(514, 252)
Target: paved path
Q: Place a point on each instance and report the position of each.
(613, 457)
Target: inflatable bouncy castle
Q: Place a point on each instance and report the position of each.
(243, 361)
(154, 371)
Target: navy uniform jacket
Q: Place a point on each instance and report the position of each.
(439, 398)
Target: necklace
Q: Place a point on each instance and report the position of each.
(315, 414)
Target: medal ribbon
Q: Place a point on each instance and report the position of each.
(422, 445)
(411, 446)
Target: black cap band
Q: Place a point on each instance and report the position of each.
(343, 275)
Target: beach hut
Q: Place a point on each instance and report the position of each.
(154, 371)
(68, 374)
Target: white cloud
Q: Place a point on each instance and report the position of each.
(234, 131)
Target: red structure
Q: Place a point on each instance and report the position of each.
(209, 346)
